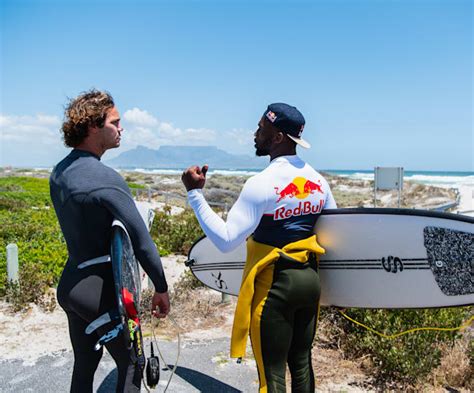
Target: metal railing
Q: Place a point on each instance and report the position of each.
(450, 205)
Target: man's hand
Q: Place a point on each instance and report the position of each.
(160, 305)
(194, 177)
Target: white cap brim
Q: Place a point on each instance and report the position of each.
(299, 141)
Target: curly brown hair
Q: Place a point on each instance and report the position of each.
(89, 109)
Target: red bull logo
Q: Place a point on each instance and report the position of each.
(290, 190)
(310, 187)
(299, 188)
(271, 116)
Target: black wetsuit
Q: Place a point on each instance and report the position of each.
(87, 197)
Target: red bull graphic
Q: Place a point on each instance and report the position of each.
(310, 187)
(271, 116)
(290, 190)
(299, 188)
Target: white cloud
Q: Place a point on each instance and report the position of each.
(138, 117)
(203, 136)
(24, 137)
(134, 136)
(167, 128)
(39, 129)
(243, 138)
(142, 128)
(168, 131)
(47, 120)
(30, 140)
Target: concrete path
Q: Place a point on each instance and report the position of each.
(204, 366)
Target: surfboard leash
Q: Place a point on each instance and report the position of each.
(392, 336)
(161, 355)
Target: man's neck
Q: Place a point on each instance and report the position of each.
(91, 148)
(285, 152)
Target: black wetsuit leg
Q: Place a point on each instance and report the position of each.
(288, 326)
(86, 359)
(299, 355)
(85, 295)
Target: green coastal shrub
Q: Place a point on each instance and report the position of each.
(175, 233)
(408, 358)
(28, 219)
(31, 287)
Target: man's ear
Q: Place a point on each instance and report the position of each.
(93, 130)
(278, 137)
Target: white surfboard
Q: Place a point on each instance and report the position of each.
(375, 258)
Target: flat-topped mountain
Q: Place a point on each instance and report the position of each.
(180, 157)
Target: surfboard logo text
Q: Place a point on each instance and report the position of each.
(220, 283)
(392, 264)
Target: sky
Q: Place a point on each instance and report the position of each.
(380, 83)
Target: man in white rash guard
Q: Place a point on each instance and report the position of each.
(278, 209)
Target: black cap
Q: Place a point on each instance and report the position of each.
(287, 119)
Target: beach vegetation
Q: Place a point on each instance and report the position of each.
(175, 233)
(28, 219)
(136, 186)
(407, 359)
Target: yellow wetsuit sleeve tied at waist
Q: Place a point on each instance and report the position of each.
(260, 258)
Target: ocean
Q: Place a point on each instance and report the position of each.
(438, 178)
(434, 178)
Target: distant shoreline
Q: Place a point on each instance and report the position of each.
(337, 172)
(454, 179)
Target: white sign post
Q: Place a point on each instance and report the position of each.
(12, 263)
(388, 178)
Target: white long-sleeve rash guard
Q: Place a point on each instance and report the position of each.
(279, 205)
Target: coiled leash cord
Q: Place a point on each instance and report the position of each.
(392, 336)
(153, 364)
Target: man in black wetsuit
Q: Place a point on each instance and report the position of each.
(87, 196)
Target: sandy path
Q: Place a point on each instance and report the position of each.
(35, 333)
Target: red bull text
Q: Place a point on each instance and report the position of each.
(300, 188)
(302, 209)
